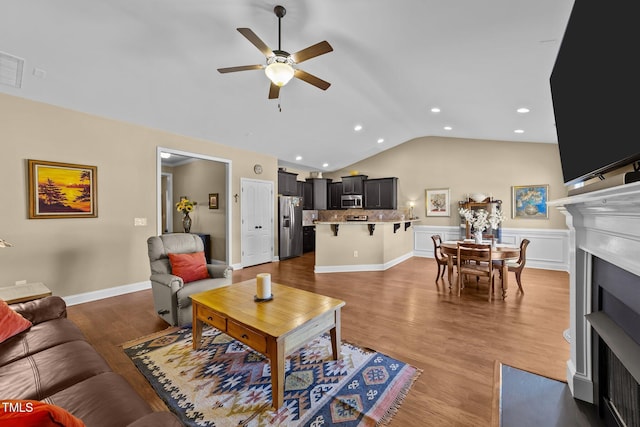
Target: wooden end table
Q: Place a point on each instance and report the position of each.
(274, 328)
(24, 292)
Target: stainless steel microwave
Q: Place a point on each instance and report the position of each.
(351, 201)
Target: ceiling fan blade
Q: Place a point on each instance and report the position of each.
(311, 79)
(274, 91)
(311, 52)
(241, 68)
(256, 41)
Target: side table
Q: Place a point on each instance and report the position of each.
(22, 293)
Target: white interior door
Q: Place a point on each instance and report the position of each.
(257, 211)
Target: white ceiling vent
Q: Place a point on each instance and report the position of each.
(11, 70)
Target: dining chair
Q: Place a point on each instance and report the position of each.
(475, 260)
(488, 236)
(517, 266)
(441, 259)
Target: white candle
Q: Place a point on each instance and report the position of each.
(263, 285)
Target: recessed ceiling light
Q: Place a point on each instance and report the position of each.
(522, 110)
(380, 140)
(324, 165)
(435, 110)
(298, 157)
(448, 128)
(518, 131)
(165, 155)
(357, 128)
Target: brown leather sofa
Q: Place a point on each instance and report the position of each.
(53, 362)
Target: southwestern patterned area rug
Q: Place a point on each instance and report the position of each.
(225, 383)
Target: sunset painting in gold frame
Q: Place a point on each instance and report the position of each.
(62, 190)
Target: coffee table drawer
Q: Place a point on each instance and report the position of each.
(249, 337)
(212, 318)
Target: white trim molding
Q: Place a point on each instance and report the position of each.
(106, 293)
(549, 249)
(603, 224)
(361, 267)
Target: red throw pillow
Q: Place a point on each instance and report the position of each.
(11, 322)
(189, 267)
(34, 413)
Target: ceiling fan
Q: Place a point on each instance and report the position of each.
(280, 64)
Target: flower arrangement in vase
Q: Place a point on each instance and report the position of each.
(185, 206)
(480, 220)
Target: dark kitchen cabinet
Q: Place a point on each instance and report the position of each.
(353, 184)
(381, 193)
(300, 185)
(307, 195)
(320, 191)
(335, 194)
(287, 183)
(308, 238)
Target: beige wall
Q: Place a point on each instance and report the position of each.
(74, 256)
(338, 250)
(383, 246)
(196, 180)
(467, 166)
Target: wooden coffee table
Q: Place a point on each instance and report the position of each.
(274, 328)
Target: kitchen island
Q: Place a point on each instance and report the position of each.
(362, 245)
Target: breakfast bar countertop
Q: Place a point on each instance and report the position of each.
(362, 245)
(380, 221)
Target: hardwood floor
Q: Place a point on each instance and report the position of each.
(402, 313)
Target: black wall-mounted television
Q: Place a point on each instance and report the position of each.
(595, 85)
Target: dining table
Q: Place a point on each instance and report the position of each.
(502, 252)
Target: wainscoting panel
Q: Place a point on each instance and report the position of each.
(549, 249)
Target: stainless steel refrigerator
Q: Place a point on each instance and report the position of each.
(290, 226)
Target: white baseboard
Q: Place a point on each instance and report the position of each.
(581, 387)
(361, 267)
(106, 293)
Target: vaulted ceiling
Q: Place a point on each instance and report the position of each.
(154, 63)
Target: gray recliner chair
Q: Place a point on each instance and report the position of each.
(171, 296)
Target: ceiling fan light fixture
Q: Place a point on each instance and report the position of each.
(279, 70)
(280, 64)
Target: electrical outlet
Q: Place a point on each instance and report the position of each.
(39, 73)
(355, 254)
(139, 222)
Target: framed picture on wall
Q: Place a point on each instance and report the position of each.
(437, 202)
(529, 201)
(213, 200)
(62, 190)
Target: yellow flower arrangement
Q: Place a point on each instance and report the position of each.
(185, 205)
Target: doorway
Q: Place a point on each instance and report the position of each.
(258, 225)
(166, 199)
(196, 176)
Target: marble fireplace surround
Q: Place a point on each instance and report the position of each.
(603, 224)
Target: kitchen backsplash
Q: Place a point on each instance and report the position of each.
(373, 215)
(308, 216)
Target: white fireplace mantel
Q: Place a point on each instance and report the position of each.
(604, 224)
